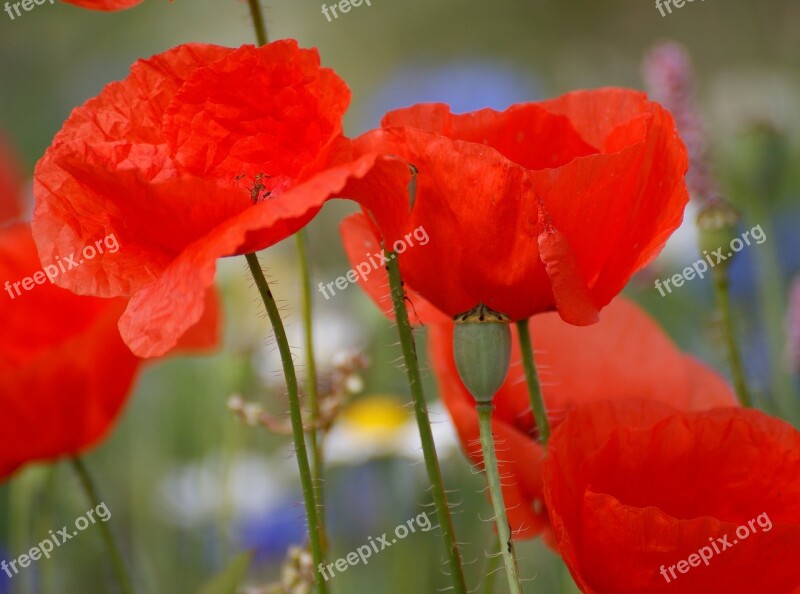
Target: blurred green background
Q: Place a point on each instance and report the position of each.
(189, 486)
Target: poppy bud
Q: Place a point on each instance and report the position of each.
(482, 351)
(717, 227)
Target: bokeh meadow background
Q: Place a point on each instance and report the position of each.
(188, 484)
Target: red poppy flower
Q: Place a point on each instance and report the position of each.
(65, 373)
(106, 5)
(202, 152)
(624, 355)
(550, 205)
(646, 500)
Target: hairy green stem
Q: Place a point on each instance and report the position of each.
(423, 423)
(298, 433)
(114, 553)
(317, 525)
(315, 437)
(534, 387)
(495, 490)
(722, 292)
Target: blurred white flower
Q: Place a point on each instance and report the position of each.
(250, 485)
(381, 426)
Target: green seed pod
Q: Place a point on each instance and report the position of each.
(717, 226)
(482, 350)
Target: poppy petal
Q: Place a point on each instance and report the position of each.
(572, 297)
(105, 5)
(262, 111)
(64, 371)
(159, 313)
(634, 487)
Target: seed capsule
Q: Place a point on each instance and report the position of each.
(482, 350)
(717, 225)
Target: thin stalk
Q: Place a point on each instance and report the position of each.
(534, 387)
(298, 434)
(722, 292)
(496, 492)
(312, 485)
(314, 436)
(423, 424)
(258, 22)
(114, 553)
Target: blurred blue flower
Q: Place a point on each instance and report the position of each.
(465, 86)
(785, 241)
(270, 535)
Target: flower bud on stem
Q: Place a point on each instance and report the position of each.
(717, 224)
(482, 351)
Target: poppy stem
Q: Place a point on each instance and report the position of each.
(114, 553)
(258, 22)
(722, 292)
(315, 434)
(492, 471)
(298, 434)
(534, 387)
(423, 423)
